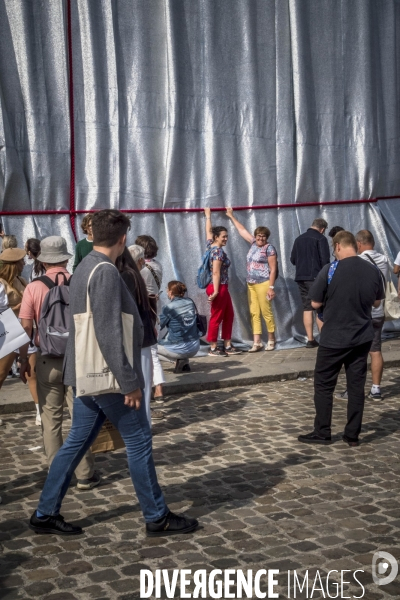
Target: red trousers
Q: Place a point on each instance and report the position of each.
(221, 312)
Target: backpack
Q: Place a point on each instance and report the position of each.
(204, 276)
(53, 326)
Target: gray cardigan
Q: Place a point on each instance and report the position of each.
(109, 296)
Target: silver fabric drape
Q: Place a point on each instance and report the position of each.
(187, 103)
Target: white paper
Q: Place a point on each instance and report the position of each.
(12, 334)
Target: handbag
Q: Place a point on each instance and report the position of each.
(93, 375)
(12, 334)
(392, 300)
(108, 439)
(201, 321)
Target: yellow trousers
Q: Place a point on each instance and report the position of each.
(260, 305)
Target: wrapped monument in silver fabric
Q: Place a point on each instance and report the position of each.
(188, 103)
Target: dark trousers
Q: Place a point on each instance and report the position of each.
(327, 368)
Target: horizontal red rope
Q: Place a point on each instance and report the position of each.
(198, 210)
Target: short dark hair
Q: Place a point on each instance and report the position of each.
(319, 224)
(335, 230)
(87, 219)
(365, 237)
(262, 231)
(148, 244)
(346, 239)
(216, 231)
(109, 226)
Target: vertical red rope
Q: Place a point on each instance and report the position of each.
(71, 121)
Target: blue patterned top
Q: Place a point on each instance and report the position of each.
(219, 254)
(257, 262)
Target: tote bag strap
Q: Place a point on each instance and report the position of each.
(88, 309)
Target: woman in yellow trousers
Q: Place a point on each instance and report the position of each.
(262, 266)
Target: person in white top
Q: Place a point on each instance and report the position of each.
(152, 273)
(366, 243)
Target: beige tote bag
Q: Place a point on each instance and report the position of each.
(93, 375)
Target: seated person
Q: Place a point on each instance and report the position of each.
(180, 317)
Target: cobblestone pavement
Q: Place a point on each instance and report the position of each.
(232, 459)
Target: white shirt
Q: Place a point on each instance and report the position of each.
(397, 260)
(383, 264)
(150, 282)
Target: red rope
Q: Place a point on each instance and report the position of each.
(74, 212)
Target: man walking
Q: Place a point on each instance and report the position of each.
(49, 369)
(109, 298)
(346, 336)
(365, 246)
(310, 253)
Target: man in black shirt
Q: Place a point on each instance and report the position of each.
(355, 286)
(310, 253)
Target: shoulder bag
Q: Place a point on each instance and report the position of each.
(93, 375)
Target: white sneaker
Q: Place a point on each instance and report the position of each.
(38, 420)
(1, 422)
(342, 396)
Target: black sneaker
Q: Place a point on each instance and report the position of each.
(171, 524)
(55, 525)
(217, 352)
(314, 438)
(312, 344)
(231, 350)
(376, 396)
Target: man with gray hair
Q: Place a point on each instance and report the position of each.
(309, 254)
(137, 253)
(365, 247)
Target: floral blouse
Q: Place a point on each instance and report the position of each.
(257, 263)
(219, 254)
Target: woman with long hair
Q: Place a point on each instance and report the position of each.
(135, 283)
(32, 249)
(12, 287)
(217, 290)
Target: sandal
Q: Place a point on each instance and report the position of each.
(256, 347)
(270, 346)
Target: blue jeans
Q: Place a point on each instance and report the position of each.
(89, 415)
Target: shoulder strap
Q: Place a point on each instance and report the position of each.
(331, 270)
(47, 281)
(156, 278)
(195, 307)
(90, 277)
(382, 275)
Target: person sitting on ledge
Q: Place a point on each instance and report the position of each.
(183, 338)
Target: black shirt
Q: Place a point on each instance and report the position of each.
(310, 253)
(348, 301)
